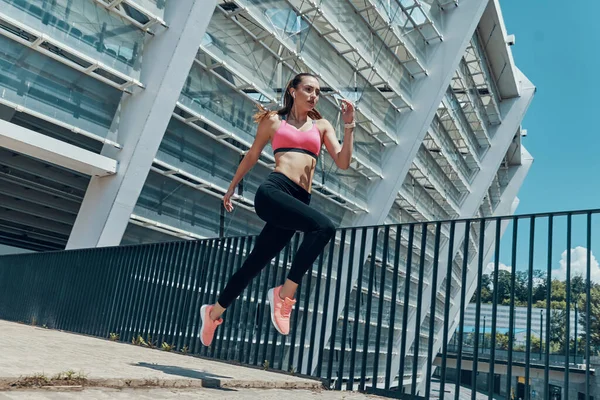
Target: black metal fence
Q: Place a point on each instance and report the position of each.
(378, 312)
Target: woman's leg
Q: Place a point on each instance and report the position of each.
(289, 213)
(268, 244)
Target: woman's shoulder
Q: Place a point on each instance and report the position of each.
(323, 123)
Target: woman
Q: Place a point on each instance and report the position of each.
(296, 132)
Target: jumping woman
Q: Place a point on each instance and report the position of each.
(296, 133)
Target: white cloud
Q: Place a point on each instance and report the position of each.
(578, 265)
(501, 267)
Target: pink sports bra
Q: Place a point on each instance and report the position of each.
(289, 138)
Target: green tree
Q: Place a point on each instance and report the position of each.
(594, 329)
(558, 329)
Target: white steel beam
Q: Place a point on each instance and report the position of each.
(513, 112)
(507, 206)
(459, 25)
(45, 148)
(141, 122)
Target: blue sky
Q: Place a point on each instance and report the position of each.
(556, 47)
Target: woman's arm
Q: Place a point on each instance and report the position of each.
(263, 135)
(341, 154)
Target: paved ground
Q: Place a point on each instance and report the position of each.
(28, 351)
(114, 367)
(184, 394)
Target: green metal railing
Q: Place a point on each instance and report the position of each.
(383, 310)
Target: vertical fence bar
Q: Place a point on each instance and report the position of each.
(251, 310)
(548, 315)
(340, 377)
(271, 332)
(222, 275)
(281, 346)
(256, 316)
(296, 314)
(139, 320)
(386, 238)
(209, 283)
(242, 317)
(463, 295)
(417, 340)
(177, 292)
(233, 319)
(568, 318)
(446, 328)
(494, 308)
(264, 314)
(228, 265)
(406, 305)
(172, 267)
(325, 312)
(149, 306)
(99, 262)
(529, 301)
(480, 255)
(162, 291)
(365, 355)
(243, 307)
(132, 290)
(195, 295)
(511, 322)
(313, 331)
(336, 302)
(181, 305)
(392, 323)
(432, 309)
(305, 313)
(363, 243)
(588, 299)
(125, 259)
(215, 283)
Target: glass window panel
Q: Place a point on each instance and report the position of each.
(196, 153)
(154, 7)
(208, 95)
(406, 31)
(85, 26)
(42, 84)
(370, 46)
(165, 200)
(247, 56)
(135, 234)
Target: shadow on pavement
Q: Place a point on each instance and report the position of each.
(208, 380)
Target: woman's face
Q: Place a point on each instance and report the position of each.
(306, 94)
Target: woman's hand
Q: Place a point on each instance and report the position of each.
(227, 200)
(347, 111)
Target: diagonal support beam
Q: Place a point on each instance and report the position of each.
(458, 27)
(507, 206)
(141, 122)
(513, 111)
(53, 151)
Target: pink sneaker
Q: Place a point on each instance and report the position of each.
(280, 310)
(207, 330)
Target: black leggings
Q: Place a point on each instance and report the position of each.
(284, 206)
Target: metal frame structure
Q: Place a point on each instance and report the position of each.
(58, 51)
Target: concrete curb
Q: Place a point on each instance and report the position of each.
(123, 383)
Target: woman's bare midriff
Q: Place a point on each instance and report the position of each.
(299, 167)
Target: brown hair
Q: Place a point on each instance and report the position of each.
(288, 102)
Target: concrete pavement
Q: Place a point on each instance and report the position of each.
(124, 371)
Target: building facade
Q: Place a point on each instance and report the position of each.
(124, 121)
